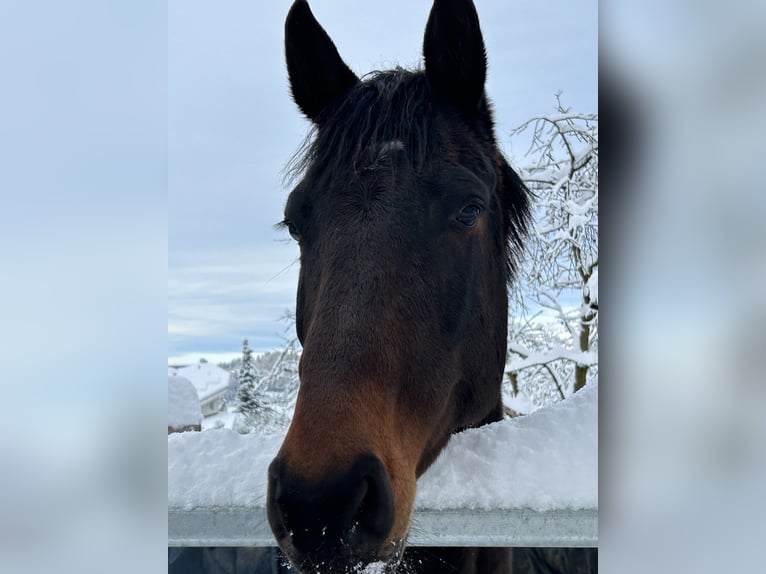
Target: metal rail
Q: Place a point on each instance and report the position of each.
(238, 526)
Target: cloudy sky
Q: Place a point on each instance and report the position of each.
(232, 127)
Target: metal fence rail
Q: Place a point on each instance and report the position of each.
(237, 526)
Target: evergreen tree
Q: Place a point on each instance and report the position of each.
(248, 393)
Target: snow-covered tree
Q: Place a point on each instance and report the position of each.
(277, 374)
(268, 388)
(558, 345)
(252, 402)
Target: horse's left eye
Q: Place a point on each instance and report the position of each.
(469, 215)
(293, 231)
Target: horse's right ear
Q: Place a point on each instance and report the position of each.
(318, 75)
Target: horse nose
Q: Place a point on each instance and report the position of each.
(345, 516)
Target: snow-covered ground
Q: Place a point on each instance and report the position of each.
(224, 419)
(519, 403)
(545, 460)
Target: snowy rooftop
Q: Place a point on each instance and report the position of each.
(183, 403)
(208, 379)
(543, 461)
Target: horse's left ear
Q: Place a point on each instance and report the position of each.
(453, 48)
(318, 75)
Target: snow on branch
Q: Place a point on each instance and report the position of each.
(531, 359)
(559, 277)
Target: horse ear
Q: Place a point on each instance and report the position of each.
(453, 48)
(318, 75)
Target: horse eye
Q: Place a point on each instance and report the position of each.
(469, 215)
(291, 229)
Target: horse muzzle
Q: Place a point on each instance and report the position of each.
(335, 523)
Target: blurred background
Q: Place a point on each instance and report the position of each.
(83, 296)
(683, 401)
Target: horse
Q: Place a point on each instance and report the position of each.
(410, 222)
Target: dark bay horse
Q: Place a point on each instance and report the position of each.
(409, 220)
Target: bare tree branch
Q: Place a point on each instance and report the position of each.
(561, 262)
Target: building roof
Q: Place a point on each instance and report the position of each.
(209, 380)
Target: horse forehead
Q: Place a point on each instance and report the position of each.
(389, 146)
(385, 171)
(381, 152)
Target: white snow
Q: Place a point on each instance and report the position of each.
(373, 568)
(208, 379)
(545, 460)
(219, 467)
(592, 286)
(225, 419)
(183, 403)
(519, 402)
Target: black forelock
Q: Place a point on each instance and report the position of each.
(387, 106)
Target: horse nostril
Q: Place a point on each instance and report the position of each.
(275, 500)
(347, 514)
(375, 512)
